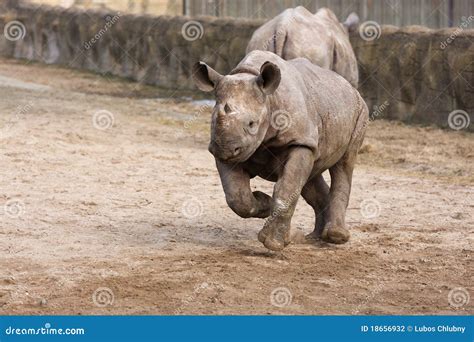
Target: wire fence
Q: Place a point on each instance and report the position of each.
(431, 13)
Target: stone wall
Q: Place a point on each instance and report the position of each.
(417, 75)
(405, 74)
(143, 48)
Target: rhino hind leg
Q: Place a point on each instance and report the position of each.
(335, 230)
(316, 194)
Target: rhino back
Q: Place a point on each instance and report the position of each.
(272, 35)
(327, 91)
(332, 105)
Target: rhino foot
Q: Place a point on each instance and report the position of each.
(263, 233)
(274, 244)
(312, 237)
(274, 238)
(337, 235)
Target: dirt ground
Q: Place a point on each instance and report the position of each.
(132, 219)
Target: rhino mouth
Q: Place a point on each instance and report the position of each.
(236, 155)
(238, 159)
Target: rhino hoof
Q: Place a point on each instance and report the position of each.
(337, 235)
(312, 238)
(275, 238)
(262, 235)
(274, 244)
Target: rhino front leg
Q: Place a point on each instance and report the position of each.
(275, 234)
(239, 196)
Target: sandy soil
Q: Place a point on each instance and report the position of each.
(138, 209)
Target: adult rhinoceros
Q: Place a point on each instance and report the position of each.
(319, 37)
(287, 122)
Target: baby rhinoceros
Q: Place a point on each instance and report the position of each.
(287, 122)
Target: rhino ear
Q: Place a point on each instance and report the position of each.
(205, 77)
(352, 22)
(269, 78)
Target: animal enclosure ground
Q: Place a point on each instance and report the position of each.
(138, 208)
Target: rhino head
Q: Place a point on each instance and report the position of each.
(241, 116)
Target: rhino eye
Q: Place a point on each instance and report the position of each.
(227, 109)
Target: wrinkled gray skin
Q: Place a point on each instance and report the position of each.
(327, 119)
(319, 37)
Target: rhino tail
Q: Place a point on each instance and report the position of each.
(280, 40)
(352, 22)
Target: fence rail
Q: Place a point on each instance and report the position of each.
(430, 13)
